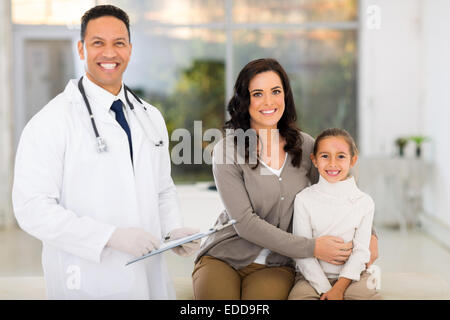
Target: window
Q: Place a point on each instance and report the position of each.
(187, 54)
(49, 12)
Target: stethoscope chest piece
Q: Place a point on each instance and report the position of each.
(101, 145)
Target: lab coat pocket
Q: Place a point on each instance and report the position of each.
(107, 279)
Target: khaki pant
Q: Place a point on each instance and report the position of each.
(214, 279)
(357, 290)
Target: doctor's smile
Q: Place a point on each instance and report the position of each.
(108, 66)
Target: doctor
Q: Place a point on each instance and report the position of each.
(92, 210)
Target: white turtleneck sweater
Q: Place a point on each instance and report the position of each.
(337, 209)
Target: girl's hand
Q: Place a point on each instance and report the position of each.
(337, 291)
(332, 249)
(333, 294)
(373, 247)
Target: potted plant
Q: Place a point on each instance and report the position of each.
(418, 141)
(401, 143)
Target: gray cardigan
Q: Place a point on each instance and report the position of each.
(263, 206)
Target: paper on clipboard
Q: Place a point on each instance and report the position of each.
(175, 243)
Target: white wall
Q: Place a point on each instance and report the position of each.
(405, 90)
(390, 89)
(436, 26)
(6, 218)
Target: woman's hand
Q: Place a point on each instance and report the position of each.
(373, 248)
(332, 249)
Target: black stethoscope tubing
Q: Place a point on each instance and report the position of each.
(88, 106)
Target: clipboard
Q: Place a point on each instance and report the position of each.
(178, 242)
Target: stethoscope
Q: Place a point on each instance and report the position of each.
(101, 144)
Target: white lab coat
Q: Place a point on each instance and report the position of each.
(72, 197)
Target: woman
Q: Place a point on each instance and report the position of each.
(259, 167)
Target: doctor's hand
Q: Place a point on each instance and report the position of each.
(135, 241)
(186, 249)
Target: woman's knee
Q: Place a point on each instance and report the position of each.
(214, 279)
(272, 283)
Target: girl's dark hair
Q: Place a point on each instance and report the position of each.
(240, 102)
(102, 11)
(336, 132)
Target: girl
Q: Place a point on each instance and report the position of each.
(334, 206)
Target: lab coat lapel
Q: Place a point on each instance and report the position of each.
(105, 117)
(101, 115)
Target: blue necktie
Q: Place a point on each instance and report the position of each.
(120, 117)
